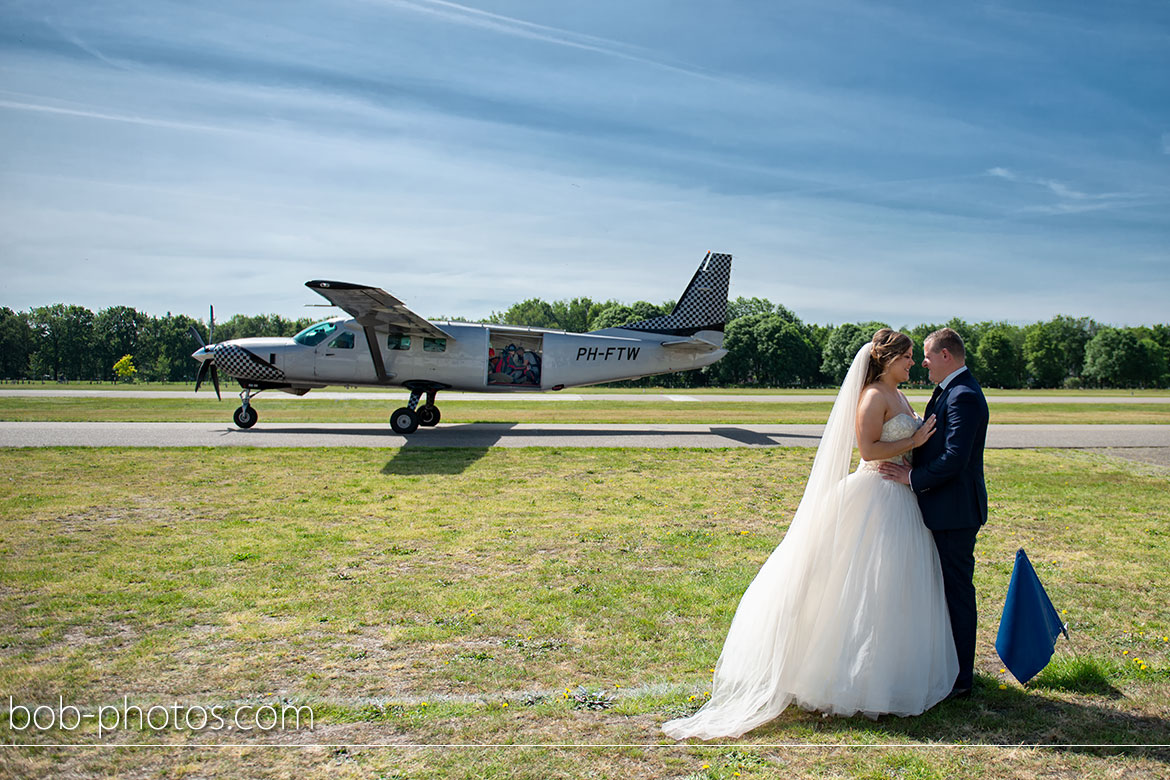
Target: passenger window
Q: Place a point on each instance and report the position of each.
(398, 341)
(434, 345)
(344, 341)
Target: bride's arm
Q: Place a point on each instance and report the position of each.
(871, 414)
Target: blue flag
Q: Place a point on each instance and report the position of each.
(1030, 624)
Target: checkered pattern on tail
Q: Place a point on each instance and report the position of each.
(702, 307)
(240, 363)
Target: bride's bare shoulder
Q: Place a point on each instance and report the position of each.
(872, 397)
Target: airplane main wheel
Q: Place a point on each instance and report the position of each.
(404, 421)
(245, 417)
(428, 415)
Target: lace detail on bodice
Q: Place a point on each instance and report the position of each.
(900, 426)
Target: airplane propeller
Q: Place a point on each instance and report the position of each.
(207, 365)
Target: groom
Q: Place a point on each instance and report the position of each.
(947, 478)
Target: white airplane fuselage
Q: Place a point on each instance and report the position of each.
(463, 362)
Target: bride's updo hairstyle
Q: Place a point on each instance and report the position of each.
(887, 345)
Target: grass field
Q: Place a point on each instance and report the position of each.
(533, 598)
(275, 408)
(186, 387)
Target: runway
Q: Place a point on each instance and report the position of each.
(483, 435)
(399, 396)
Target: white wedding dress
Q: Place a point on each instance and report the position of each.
(847, 615)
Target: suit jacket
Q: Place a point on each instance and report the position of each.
(947, 475)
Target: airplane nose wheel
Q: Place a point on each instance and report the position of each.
(428, 415)
(245, 417)
(404, 421)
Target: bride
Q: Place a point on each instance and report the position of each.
(847, 615)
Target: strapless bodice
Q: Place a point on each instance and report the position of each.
(900, 426)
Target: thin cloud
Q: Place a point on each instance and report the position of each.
(1060, 189)
(508, 25)
(130, 119)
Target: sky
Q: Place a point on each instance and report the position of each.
(905, 162)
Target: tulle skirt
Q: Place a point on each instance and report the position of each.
(846, 616)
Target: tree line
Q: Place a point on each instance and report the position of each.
(767, 345)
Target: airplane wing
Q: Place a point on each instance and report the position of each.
(693, 344)
(375, 308)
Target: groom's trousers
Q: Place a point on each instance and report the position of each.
(956, 552)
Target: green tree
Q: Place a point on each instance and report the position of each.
(1001, 357)
(576, 314)
(532, 313)
(787, 356)
(842, 346)
(741, 364)
(16, 344)
(1055, 350)
(64, 341)
(1155, 364)
(165, 347)
(1114, 358)
(614, 315)
(1043, 357)
(918, 374)
(115, 333)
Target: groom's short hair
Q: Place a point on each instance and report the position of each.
(945, 338)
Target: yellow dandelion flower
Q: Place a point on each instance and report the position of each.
(424, 704)
(1126, 652)
(706, 766)
(1002, 687)
(505, 704)
(1001, 671)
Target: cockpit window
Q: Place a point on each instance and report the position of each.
(315, 334)
(344, 341)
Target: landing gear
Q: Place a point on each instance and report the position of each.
(404, 421)
(407, 420)
(245, 417)
(428, 415)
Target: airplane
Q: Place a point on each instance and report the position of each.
(382, 343)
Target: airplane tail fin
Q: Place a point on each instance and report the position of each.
(702, 307)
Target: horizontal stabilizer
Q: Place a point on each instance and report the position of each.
(693, 344)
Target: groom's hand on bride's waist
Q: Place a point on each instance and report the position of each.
(895, 472)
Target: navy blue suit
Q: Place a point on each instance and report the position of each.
(948, 479)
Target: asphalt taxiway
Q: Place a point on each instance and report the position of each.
(161, 434)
